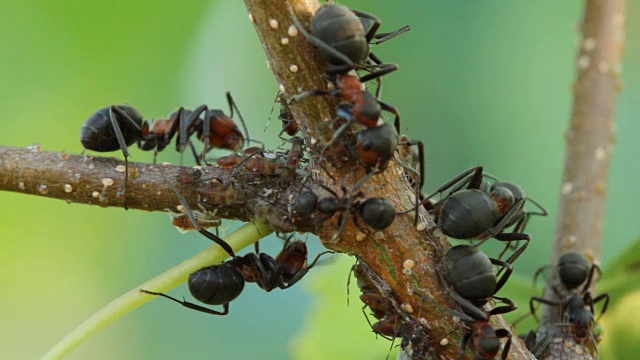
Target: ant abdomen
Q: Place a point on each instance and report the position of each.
(216, 285)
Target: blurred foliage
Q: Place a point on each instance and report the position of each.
(480, 82)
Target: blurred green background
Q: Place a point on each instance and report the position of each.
(481, 82)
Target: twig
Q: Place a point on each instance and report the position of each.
(589, 139)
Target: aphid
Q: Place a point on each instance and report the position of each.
(205, 219)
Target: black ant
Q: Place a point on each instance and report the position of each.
(340, 35)
(377, 212)
(473, 281)
(480, 211)
(222, 283)
(120, 126)
(577, 306)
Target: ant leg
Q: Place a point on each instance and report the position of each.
(122, 143)
(195, 155)
(543, 211)
(175, 126)
(471, 177)
(508, 237)
(541, 300)
(538, 272)
(510, 306)
(374, 27)
(420, 174)
(232, 106)
(383, 69)
(344, 218)
(187, 128)
(502, 333)
(223, 244)
(463, 344)
(300, 274)
(503, 279)
(382, 37)
(191, 305)
(594, 268)
(597, 299)
(394, 111)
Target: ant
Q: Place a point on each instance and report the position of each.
(473, 282)
(339, 33)
(471, 275)
(120, 126)
(480, 211)
(377, 212)
(577, 306)
(222, 283)
(577, 314)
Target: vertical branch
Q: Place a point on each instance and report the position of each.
(297, 66)
(589, 138)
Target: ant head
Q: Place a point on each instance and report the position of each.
(503, 197)
(485, 340)
(375, 146)
(514, 189)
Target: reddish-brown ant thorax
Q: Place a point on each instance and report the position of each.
(162, 127)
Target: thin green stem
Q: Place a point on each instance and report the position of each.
(239, 239)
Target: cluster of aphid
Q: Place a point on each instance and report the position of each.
(472, 209)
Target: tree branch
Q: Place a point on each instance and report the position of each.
(589, 138)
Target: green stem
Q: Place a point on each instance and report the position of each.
(239, 239)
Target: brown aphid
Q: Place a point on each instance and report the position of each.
(205, 220)
(215, 194)
(271, 215)
(390, 326)
(229, 161)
